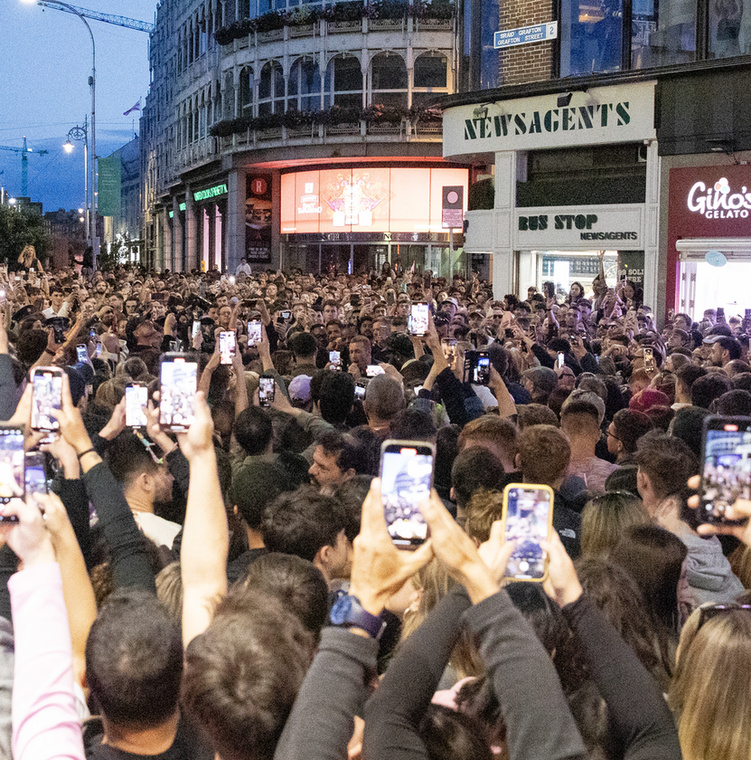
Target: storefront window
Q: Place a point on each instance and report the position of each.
(729, 29)
(388, 80)
(304, 86)
(344, 82)
(663, 33)
(564, 268)
(591, 36)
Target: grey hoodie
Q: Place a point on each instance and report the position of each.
(708, 571)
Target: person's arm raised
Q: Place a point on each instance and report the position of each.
(203, 555)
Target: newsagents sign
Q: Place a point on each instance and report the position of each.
(579, 228)
(600, 115)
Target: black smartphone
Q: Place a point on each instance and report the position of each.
(178, 378)
(227, 346)
(47, 396)
(286, 315)
(35, 472)
(726, 467)
(136, 401)
(59, 326)
(527, 520)
(254, 332)
(12, 481)
(481, 368)
(418, 319)
(266, 391)
(406, 480)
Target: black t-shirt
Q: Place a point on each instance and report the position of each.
(188, 745)
(238, 568)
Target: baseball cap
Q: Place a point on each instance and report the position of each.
(299, 388)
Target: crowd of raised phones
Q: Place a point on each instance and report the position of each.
(228, 587)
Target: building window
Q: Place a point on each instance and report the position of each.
(246, 91)
(271, 89)
(304, 86)
(662, 33)
(728, 29)
(591, 36)
(228, 96)
(388, 80)
(430, 77)
(344, 82)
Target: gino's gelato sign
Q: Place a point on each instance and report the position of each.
(717, 201)
(568, 119)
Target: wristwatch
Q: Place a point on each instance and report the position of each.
(347, 612)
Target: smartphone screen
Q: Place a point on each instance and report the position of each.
(59, 325)
(726, 467)
(136, 400)
(254, 332)
(481, 373)
(335, 358)
(649, 358)
(195, 329)
(374, 369)
(418, 318)
(82, 354)
(178, 387)
(527, 515)
(47, 396)
(227, 346)
(11, 465)
(449, 351)
(266, 391)
(92, 334)
(561, 361)
(35, 473)
(406, 480)
(360, 391)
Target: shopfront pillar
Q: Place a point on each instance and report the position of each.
(166, 250)
(177, 237)
(235, 221)
(191, 231)
(654, 296)
(507, 166)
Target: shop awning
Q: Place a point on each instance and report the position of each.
(694, 249)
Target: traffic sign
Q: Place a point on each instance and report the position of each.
(525, 34)
(452, 206)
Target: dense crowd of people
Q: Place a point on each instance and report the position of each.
(218, 580)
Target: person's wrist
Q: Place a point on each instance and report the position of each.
(82, 445)
(42, 554)
(371, 600)
(570, 594)
(479, 583)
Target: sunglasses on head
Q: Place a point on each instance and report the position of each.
(707, 613)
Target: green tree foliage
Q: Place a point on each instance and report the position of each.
(20, 228)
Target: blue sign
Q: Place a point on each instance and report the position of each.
(525, 34)
(715, 258)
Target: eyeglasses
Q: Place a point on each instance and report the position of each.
(707, 613)
(613, 435)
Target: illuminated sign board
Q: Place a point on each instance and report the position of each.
(717, 201)
(210, 192)
(523, 35)
(366, 199)
(182, 207)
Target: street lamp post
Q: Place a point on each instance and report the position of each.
(81, 134)
(59, 5)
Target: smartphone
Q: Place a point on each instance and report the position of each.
(12, 483)
(481, 368)
(286, 315)
(527, 520)
(449, 351)
(649, 358)
(47, 395)
(227, 346)
(418, 319)
(195, 329)
(335, 358)
(59, 326)
(561, 361)
(35, 472)
(726, 467)
(136, 400)
(254, 332)
(92, 334)
(266, 391)
(374, 369)
(178, 378)
(360, 387)
(82, 354)
(406, 480)
(98, 350)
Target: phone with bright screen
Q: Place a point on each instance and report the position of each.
(406, 480)
(418, 318)
(266, 391)
(726, 467)
(136, 400)
(360, 390)
(335, 359)
(649, 358)
(195, 329)
(374, 369)
(47, 396)
(227, 346)
(82, 354)
(178, 387)
(481, 369)
(254, 332)
(527, 520)
(561, 361)
(35, 472)
(12, 482)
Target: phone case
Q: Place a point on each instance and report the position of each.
(548, 525)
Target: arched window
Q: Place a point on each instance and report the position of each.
(388, 80)
(246, 91)
(228, 96)
(271, 89)
(344, 82)
(304, 86)
(430, 77)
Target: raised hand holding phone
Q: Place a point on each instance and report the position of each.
(562, 583)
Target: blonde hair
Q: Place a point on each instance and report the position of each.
(605, 519)
(711, 691)
(484, 508)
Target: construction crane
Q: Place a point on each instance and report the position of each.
(24, 163)
(106, 18)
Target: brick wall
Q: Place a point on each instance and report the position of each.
(526, 63)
